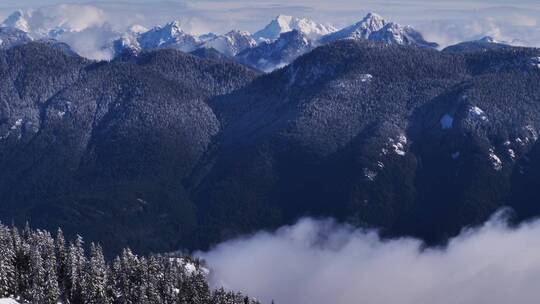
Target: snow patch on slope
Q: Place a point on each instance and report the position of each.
(370, 175)
(536, 62)
(17, 124)
(366, 77)
(475, 113)
(398, 145)
(495, 160)
(447, 122)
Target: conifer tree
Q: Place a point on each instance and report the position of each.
(114, 282)
(76, 262)
(36, 291)
(8, 280)
(40, 269)
(50, 284)
(95, 282)
(61, 261)
(153, 277)
(22, 261)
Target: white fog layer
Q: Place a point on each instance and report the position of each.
(320, 262)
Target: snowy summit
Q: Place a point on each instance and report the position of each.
(18, 21)
(284, 24)
(231, 43)
(375, 28)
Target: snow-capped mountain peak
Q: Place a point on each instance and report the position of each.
(270, 56)
(17, 20)
(129, 41)
(403, 35)
(483, 44)
(170, 35)
(231, 43)
(361, 30)
(512, 42)
(283, 24)
(373, 22)
(375, 28)
(174, 28)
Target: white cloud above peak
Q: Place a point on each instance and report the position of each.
(63, 17)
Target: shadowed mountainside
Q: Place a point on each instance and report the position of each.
(166, 150)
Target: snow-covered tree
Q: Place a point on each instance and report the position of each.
(40, 269)
(50, 276)
(61, 260)
(8, 280)
(95, 282)
(76, 263)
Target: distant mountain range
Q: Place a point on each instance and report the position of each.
(276, 45)
(272, 47)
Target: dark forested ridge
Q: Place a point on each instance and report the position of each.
(166, 150)
(37, 268)
(104, 147)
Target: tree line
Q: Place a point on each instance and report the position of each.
(38, 268)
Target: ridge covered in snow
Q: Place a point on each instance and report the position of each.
(274, 53)
(375, 28)
(231, 43)
(17, 20)
(360, 30)
(283, 24)
(170, 35)
(482, 44)
(269, 56)
(236, 44)
(129, 40)
(273, 46)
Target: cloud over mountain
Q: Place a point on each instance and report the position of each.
(445, 22)
(319, 261)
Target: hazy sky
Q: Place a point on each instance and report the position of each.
(444, 21)
(336, 11)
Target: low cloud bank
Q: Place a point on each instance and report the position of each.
(321, 262)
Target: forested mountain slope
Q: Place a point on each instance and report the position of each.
(413, 141)
(165, 150)
(104, 146)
